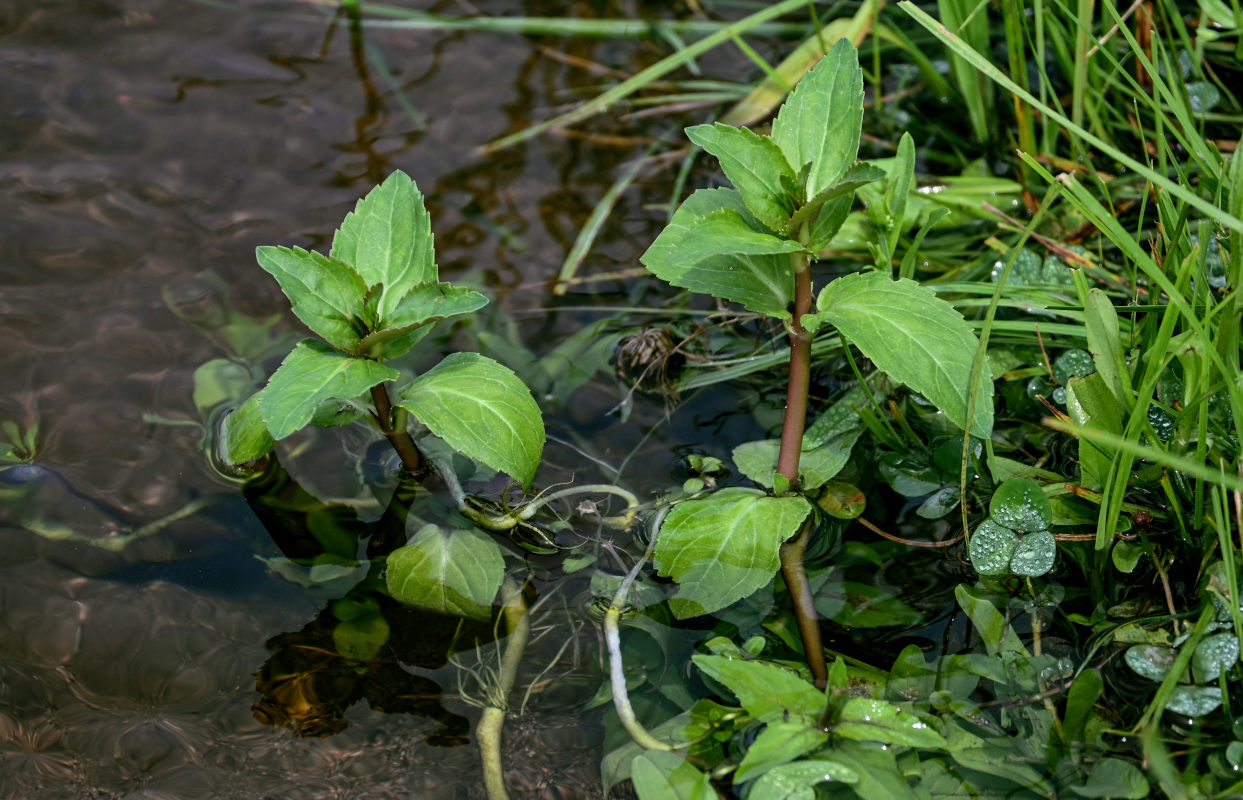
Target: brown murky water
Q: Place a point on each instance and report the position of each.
(146, 148)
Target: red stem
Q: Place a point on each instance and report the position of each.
(411, 458)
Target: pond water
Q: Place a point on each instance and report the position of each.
(146, 148)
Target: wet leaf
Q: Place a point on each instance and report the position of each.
(767, 692)
(482, 410)
(821, 121)
(387, 239)
(1034, 554)
(246, 437)
(1150, 660)
(914, 337)
(723, 547)
(1020, 505)
(311, 373)
(755, 165)
(1126, 555)
(1202, 96)
(939, 503)
(1214, 655)
(841, 500)
(991, 547)
(660, 775)
(779, 743)
(1105, 344)
(1089, 402)
(1194, 701)
(909, 476)
(798, 781)
(1072, 364)
(761, 283)
(879, 721)
(327, 295)
(447, 571)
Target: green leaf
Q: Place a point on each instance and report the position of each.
(219, 381)
(1214, 655)
(816, 467)
(991, 547)
(660, 775)
(992, 626)
(761, 283)
(447, 571)
(768, 692)
(1090, 403)
(821, 121)
(1034, 554)
(898, 188)
(1021, 506)
(246, 438)
(1105, 344)
(311, 373)
(411, 320)
(779, 743)
(797, 781)
(868, 720)
(725, 233)
(856, 176)
(387, 238)
(1194, 701)
(482, 410)
(912, 336)
(1080, 700)
(1152, 661)
(327, 295)
(755, 165)
(1115, 778)
(362, 631)
(833, 215)
(724, 547)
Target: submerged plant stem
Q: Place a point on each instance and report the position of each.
(411, 458)
(493, 718)
(795, 574)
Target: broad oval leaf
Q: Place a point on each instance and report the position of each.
(768, 692)
(816, 466)
(1194, 701)
(724, 232)
(246, 438)
(797, 781)
(311, 373)
(387, 239)
(1034, 554)
(761, 283)
(1021, 506)
(661, 775)
(448, 571)
(483, 410)
(1150, 660)
(991, 547)
(1214, 655)
(822, 119)
(1114, 778)
(327, 295)
(870, 720)
(725, 546)
(912, 336)
(755, 165)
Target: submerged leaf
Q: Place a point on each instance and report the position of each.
(797, 781)
(767, 692)
(447, 571)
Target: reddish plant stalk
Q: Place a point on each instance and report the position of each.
(411, 458)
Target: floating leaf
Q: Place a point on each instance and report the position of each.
(761, 283)
(1021, 506)
(1034, 554)
(797, 781)
(912, 336)
(869, 720)
(991, 547)
(482, 410)
(387, 239)
(1194, 701)
(723, 547)
(755, 165)
(311, 373)
(1150, 660)
(821, 121)
(768, 692)
(1214, 655)
(447, 571)
(327, 295)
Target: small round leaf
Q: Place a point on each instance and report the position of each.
(1034, 554)
(991, 547)
(1150, 660)
(1194, 701)
(1021, 506)
(1214, 655)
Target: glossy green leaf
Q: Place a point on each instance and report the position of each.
(724, 232)
(725, 546)
(1034, 554)
(1126, 556)
(1115, 778)
(991, 547)
(939, 503)
(912, 336)
(828, 223)
(991, 624)
(411, 320)
(779, 743)
(821, 121)
(758, 460)
(1214, 655)
(898, 188)
(1073, 363)
(448, 571)
(798, 781)
(761, 283)
(326, 294)
(311, 373)
(661, 775)
(482, 410)
(868, 720)
(1021, 506)
(755, 165)
(246, 437)
(387, 239)
(1194, 701)
(768, 692)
